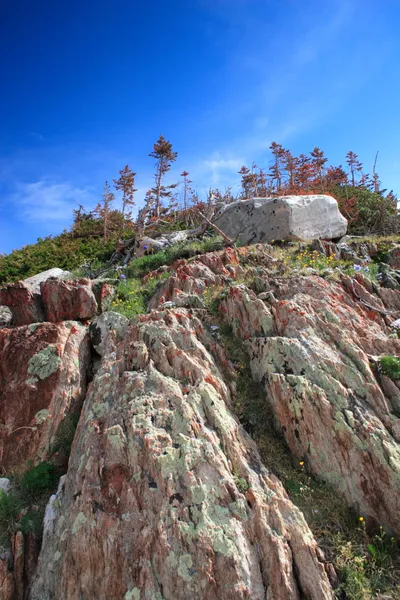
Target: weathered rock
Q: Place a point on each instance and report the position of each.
(315, 346)
(389, 277)
(24, 301)
(42, 380)
(282, 218)
(36, 280)
(165, 495)
(68, 300)
(146, 245)
(393, 257)
(325, 396)
(104, 292)
(5, 316)
(101, 325)
(5, 484)
(7, 586)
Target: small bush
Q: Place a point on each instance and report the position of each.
(390, 366)
(145, 264)
(10, 507)
(32, 522)
(39, 479)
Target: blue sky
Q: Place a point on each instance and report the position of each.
(87, 87)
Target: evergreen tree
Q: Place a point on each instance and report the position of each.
(125, 183)
(354, 165)
(103, 210)
(187, 190)
(164, 155)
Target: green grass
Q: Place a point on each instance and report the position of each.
(138, 267)
(390, 366)
(132, 295)
(22, 509)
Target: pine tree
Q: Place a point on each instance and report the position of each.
(103, 209)
(248, 181)
(187, 190)
(125, 183)
(164, 155)
(275, 171)
(354, 165)
(318, 162)
(290, 164)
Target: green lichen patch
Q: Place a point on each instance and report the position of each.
(44, 363)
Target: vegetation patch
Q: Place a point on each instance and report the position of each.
(138, 267)
(23, 508)
(390, 366)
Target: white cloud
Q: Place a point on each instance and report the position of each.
(44, 200)
(219, 170)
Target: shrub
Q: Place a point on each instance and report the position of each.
(10, 507)
(367, 211)
(39, 479)
(390, 366)
(145, 264)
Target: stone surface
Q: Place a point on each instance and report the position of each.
(393, 257)
(101, 325)
(151, 506)
(315, 345)
(24, 301)
(36, 280)
(282, 218)
(104, 292)
(68, 300)
(320, 383)
(42, 379)
(146, 245)
(5, 316)
(5, 484)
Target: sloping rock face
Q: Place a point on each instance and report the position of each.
(165, 495)
(42, 379)
(314, 345)
(282, 218)
(317, 365)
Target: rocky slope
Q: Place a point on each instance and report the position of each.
(165, 495)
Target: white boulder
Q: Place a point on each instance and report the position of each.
(282, 218)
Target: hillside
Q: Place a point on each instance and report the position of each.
(214, 420)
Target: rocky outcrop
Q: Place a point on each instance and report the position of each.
(165, 495)
(315, 346)
(319, 368)
(5, 316)
(393, 257)
(24, 298)
(54, 299)
(64, 300)
(102, 325)
(55, 273)
(24, 301)
(43, 372)
(282, 218)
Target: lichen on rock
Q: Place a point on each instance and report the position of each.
(44, 363)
